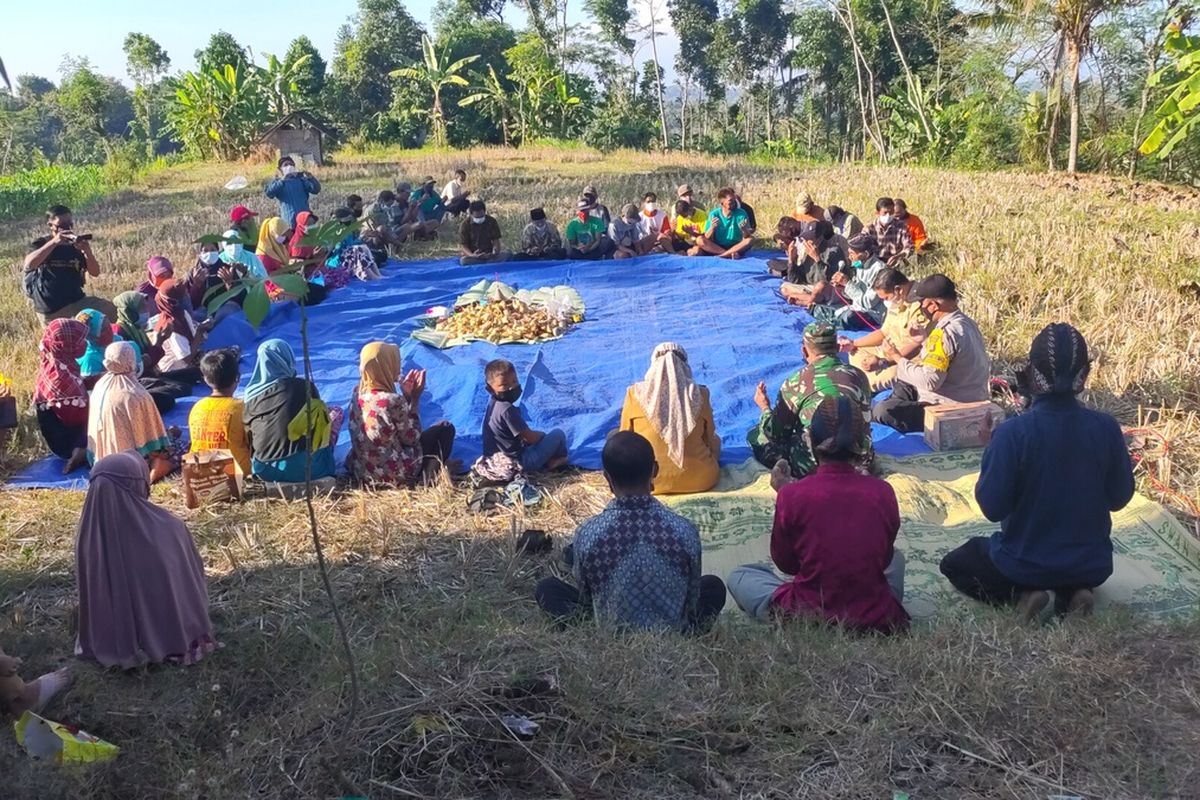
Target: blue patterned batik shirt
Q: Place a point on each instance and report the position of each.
(638, 564)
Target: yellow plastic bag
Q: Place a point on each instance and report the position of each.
(47, 740)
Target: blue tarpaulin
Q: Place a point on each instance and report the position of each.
(727, 314)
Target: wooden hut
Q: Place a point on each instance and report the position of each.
(301, 135)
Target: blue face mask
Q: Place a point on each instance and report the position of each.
(856, 264)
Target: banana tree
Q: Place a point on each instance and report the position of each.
(279, 79)
(495, 98)
(434, 73)
(1179, 113)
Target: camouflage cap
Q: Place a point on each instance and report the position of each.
(821, 336)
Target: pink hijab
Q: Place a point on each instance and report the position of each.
(142, 593)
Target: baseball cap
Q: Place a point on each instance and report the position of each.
(239, 213)
(590, 190)
(428, 181)
(683, 190)
(804, 199)
(821, 335)
(934, 287)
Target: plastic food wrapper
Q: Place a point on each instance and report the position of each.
(47, 740)
(237, 182)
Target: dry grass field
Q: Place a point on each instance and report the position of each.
(438, 603)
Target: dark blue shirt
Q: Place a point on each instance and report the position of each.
(1052, 478)
(503, 425)
(292, 193)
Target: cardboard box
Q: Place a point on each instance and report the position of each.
(961, 426)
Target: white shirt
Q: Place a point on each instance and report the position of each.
(453, 190)
(176, 348)
(652, 224)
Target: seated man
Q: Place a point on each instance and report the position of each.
(656, 226)
(952, 366)
(431, 211)
(779, 435)
(402, 215)
(595, 207)
(685, 193)
(891, 234)
(479, 237)
(626, 233)
(751, 220)
(854, 305)
(916, 228)
(904, 329)
(728, 233)
(454, 194)
(1052, 478)
(813, 265)
(845, 224)
(587, 235)
(807, 210)
(636, 563)
(540, 239)
(690, 224)
(835, 534)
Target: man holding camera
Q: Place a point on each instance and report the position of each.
(292, 187)
(57, 267)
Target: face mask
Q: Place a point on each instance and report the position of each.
(287, 169)
(233, 251)
(890, 305)
(856, 264)
(210, 257)
(886, 219)
(508, 396)
(582, 216)
(651, 208)
(281, 239)
(479, 220)
(143, 319)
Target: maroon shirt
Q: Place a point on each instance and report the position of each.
(835, 531)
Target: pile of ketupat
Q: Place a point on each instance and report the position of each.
(506, 320)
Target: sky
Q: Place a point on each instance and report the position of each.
(97, 30)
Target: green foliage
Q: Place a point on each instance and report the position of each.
(620, 124)
(31, 191)
(221, 49)
(1179, 113)
(612, 17)
(146, 62)
(695, 22)
(220, 113)
(304, 63)
(436, 73)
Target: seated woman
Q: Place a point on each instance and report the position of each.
(273, 237)
(835, 534)
(316, 269)
(159, 270)
(904, 328)
(129, 328)
(387, 445)
(179, 337)
(215, 277)
(142, 593)
(240, 261)
(1051, 478)
(277, 422)
(99, 336)
(351, 254)
(60, 397)
(671, 411)
(122, 416)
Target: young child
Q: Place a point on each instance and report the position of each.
(636, 563)
(505, 430)
(216, 422)
(834, 534)
(17, 697)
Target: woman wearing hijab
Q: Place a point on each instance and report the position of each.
(60, 397)
(99, 336)
(131, 307)
(234, 254)
(272, 249)
(1052, 478)
(123, 416)
(142, 594)
(314, 257)
(277, 422)
(834, 538)
(173, 330)
(351, 254)
(675, 415)
(387, 445)
(158, 269)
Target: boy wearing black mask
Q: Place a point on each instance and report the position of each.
(505, 430)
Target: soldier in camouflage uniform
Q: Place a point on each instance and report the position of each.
(780, 431)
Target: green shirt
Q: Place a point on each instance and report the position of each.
(780, 430)
(727, 231)
(582, 233)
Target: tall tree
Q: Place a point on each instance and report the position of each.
(309, 76)
(381, 38)
(146, 62)
(612, 17)
(436, 73)
(1075, 18)
(221, 49)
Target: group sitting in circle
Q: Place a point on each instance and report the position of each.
(1050, 478)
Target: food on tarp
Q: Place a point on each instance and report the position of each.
(502, 321)
(495, 312)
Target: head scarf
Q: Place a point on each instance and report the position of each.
(159, 268)
(142, 593)
(270, 249)
(249, 260)
(99, 336)
(670, 397)
(297, 249)
(378, 367)
(171, 314)
(837, 428)
(275, 362)
(123, 415)
(1058, 361)
(129, 309)
(58, 381)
